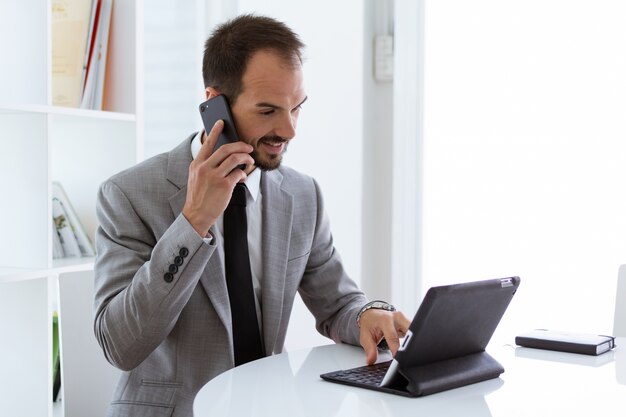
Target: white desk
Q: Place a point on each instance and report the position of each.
(535, 383)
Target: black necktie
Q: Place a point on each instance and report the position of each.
(246, 336)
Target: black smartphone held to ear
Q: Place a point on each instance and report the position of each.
(215, 109)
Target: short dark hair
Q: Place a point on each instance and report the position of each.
(232, 44)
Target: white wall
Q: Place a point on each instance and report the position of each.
(174, 33)
(377, 158)
(525, 154)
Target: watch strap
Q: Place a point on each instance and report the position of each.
(376, 304)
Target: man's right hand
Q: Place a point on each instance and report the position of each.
(212, 178)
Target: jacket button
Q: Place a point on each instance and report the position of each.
(173, 269)
(178, 261)
(183, 252)
(168, 277)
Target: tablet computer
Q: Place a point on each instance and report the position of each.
(445, 345)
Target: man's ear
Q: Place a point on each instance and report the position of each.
(211, 92)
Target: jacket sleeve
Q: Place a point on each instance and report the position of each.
(327, 291)
(136, 304)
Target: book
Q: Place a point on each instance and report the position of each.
(56, 357)
(84, 244)
(94, 84)
(70, 26)
(584, 343)
(103, 39)
(91, 37)
(66, 235)
(57, 248)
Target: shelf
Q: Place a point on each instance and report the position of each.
(80, 148)
(59, 266)
(57, 408)
(66, 111)
(21, 274)
(64, 265)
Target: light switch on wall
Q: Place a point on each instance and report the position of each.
(383, 58)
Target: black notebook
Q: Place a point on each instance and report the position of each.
(445, 345)
(585, 343)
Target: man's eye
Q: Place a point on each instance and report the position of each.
(267, 113)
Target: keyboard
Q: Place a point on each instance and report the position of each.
(371, 375)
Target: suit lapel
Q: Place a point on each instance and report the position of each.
(277, 220)
(213, 278)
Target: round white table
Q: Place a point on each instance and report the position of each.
(535, 383)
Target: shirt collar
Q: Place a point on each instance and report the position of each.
(253, 182)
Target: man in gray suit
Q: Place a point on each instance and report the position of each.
(162, 305)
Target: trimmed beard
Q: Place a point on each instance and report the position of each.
(271, 162)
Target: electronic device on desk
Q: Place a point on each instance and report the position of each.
(445, 345)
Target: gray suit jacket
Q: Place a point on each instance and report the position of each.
(172, 334)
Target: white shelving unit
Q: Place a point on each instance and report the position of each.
(41, 143)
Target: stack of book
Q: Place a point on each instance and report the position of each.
(80, 41)
(69, 239)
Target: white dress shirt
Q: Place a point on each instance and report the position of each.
(253, 213)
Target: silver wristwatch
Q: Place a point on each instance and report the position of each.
(377, 304)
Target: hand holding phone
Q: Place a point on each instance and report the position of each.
(212, 177)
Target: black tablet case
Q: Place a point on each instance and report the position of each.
(449, 334)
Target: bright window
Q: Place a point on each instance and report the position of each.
(525, 153)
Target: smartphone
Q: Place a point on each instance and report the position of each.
(215, 109)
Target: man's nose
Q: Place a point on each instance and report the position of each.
(286, 127)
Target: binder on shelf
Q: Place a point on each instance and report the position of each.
(81, 239)
(584, 343)
(70, 25)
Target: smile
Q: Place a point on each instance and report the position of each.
(274, 148)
